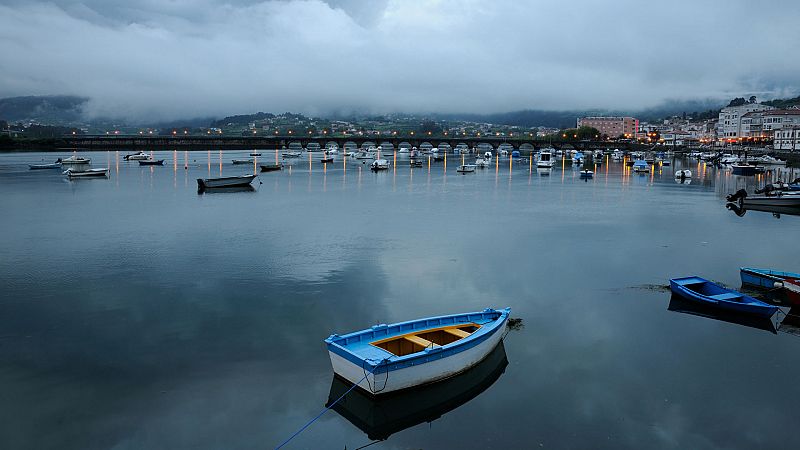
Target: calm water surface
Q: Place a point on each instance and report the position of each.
(137, 314)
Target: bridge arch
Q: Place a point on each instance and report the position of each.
(367, 144)
(350, 146)
(404, 144)
(483, 147)
(425, 145)
(313, 146)
(527, 147)
(295, 146)
(386, 146)
(332, 144)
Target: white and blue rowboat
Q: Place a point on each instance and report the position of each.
(222, 182)
(390, 358)
(703, 291)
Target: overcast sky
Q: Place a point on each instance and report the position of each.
(162, 59)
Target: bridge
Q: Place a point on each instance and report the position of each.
(524, 145)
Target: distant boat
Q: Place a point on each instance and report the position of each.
(243, 161)
(270, 167)
(415, 163)
(222, 182)
(788, 282)
(291, 154)
(403, 150)
(255, 154)
(586, 173)
(55, 165)
(640, 166)
(766, 159)
(545, 160)
(76, 160)
(91, 173)
(390, 358)
(745, 169)
(326, 159)
(136, 156)
(466, 168)
(379, 164)
(481, 162)
(703, 291)
(683, 173)
(151, 162)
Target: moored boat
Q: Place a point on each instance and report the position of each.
(701, 290)
(55, 165)
(788, 282)
(151, 162)
(683, 173)
(243, 180)
(270, 167)
(640, 166)
(586, 173)
(91, 173)
(291, 154)
(466, 168)
(389, 358)
(74, 159)
(745, 169)
(136, 156)
(255, 154)
(785, 199)
(243, 161)
(379, 164)
(545, 160)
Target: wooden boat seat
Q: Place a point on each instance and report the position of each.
(456, 332)
(726, 296)
(419, 341)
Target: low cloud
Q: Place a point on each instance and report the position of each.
(146, 59)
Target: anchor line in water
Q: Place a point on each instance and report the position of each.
(308, 424)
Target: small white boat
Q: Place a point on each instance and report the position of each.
(364, 154)
(769, 160)
(379, 164)
(332, 151)
(55, 165)
(91, 173)
(74, 159)
(222, 182)
(684, 173)
(137, 156)
(390, 358)
(481, 162)
(403, 150)
(586, 173)
(545, 160)
(466, 168)
(291, 154)
(243, 161)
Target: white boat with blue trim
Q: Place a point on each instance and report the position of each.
(390, 358)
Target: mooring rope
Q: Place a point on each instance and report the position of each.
(308, 424)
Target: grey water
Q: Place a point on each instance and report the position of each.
(137, 313)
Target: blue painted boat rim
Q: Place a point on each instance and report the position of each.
(376, 356)
(769, 272)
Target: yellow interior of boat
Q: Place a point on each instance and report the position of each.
(419, 340)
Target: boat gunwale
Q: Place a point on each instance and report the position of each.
(394, 362)
(428, 330)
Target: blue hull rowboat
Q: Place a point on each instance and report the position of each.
(701, 290)
(390, 358)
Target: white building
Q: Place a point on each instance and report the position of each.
(787, 138)
(777, 119)
(730, 119)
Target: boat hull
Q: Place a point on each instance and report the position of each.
(720, 297)
(159, 162)
(270, 167)
(204, 183)
(419, 369)
(44, 166)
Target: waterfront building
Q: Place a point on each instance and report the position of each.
(787, 138)
(777, 119)
(612, 126)
(730, 119)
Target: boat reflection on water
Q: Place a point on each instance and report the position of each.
(213, 190)
(775, 210)
(380, 417)
(678, 304)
